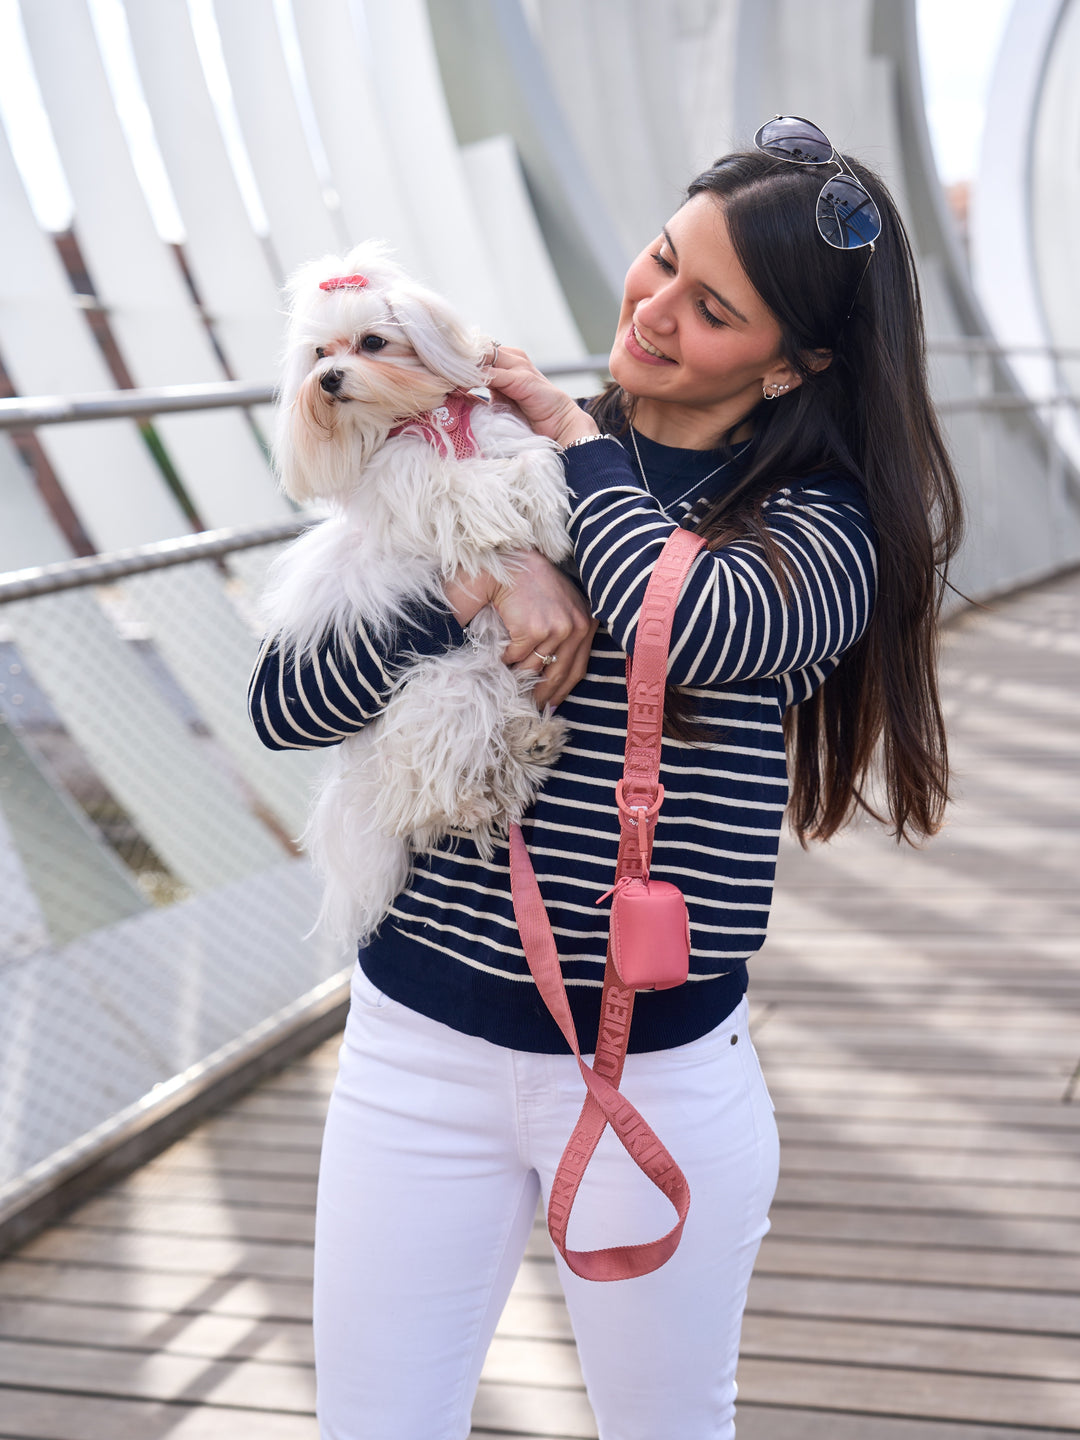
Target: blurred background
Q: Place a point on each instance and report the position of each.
(164, 164)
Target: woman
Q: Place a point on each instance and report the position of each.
(769, 391)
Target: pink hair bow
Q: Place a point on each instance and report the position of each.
(344, 282)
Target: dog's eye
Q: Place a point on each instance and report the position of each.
(320, 353)
(372, 342)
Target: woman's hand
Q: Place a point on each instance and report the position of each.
(545, 613)
(549, 410)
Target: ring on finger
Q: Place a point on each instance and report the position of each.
(545, 660)
(495, 348)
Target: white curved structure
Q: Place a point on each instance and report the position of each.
(1054, 188)
(1025, 204)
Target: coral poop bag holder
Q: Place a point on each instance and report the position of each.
(648, 946)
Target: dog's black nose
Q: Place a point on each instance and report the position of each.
(331, 381)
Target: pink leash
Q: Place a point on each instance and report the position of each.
(639, 796)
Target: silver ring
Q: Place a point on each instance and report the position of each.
(545, 660)
(495, 348)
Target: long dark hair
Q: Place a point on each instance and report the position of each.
(867, 413)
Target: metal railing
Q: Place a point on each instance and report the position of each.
(983, 352)
(159, 555)
(27, 413)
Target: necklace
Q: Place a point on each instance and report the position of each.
(697, 484)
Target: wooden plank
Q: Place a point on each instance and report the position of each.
(969, 1136)
(785, 1074)
(928, 1067)
(873, 1193)
(918, 1347)
(542, 1317)
(972, 1166)
(772, 1422)
(195, 1155)
(265, 1132)
(973, 1307)
(795, 1107)
(277, 1192)
(933, 1228)
(914, 1264)
(158, 1375)
(979, 1044)
(317, 1066)
(837, 955)
(37, 1415)
(996, 1030)
(965, 1013)
(214, 1149)
(192, 1334)
(292, 1105)
(167, 1254)
(1028, 865)
(534, 1410)
(168, 1215)
(916, 1393)
(486, 1434)
(537, 1277)
(218, 1294)
(1021, 857)
(529, 1360)
(914, 985)
(973, 1051)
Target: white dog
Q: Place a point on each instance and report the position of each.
(461, 746)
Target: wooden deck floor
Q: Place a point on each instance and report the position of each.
(918, 1016)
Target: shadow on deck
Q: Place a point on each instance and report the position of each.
(917, 1016)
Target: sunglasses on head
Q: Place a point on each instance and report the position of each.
(847, 218)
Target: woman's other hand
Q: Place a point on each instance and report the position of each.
(549, 410)
(545, 614)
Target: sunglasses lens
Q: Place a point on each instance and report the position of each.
(789, 138)
(846, 216)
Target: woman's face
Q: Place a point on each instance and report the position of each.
(696, 343)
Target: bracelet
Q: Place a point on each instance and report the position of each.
(586, 440)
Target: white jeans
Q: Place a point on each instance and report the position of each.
(437, 1146)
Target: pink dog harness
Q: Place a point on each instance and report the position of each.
(447, 428)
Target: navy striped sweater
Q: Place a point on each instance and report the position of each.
(744, 649)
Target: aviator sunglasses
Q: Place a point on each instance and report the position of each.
(847, 218)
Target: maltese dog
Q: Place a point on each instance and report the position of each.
(423, 479)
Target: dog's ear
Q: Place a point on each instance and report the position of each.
(445, 346)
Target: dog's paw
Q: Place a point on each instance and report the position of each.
(502, 793)
(536, 740)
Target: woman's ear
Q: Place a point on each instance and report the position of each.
(785, 377)
(780, 379)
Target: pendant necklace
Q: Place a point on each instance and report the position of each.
(697, 484)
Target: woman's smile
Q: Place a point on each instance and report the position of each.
(641, 349)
